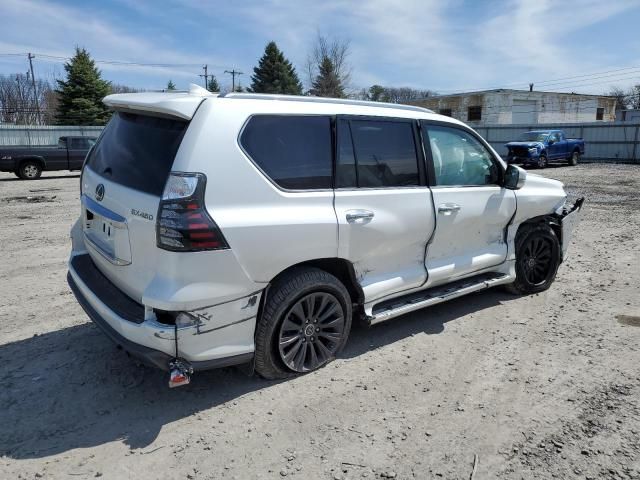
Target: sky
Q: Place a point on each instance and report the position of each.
(448, 46)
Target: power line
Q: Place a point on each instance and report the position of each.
(116, 62)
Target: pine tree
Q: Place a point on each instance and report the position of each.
(171, 85)
(275, 74)
(213, 85)
(327, 83)
(81, 94)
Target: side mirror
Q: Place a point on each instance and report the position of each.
(514, 177)
(551, 141)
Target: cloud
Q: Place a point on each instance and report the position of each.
(446, 46)
(54, 29)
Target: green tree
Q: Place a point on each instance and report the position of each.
(171, 85)
(81, 94)
(275, 74)
(376, 93)
(213, 85)
(327, 82)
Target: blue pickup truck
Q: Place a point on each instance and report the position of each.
(540, 147)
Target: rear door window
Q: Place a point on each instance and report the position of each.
(385, 153)
(137, 151)
(79, 144)
(294, 151)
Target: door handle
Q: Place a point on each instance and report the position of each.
(448, 208)
(359, 217)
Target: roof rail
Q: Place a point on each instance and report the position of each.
(341, 101)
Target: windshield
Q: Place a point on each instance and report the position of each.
(533, 137)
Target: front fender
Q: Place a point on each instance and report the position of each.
(569, 217)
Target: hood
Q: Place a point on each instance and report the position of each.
(534, 179)
(525, 144)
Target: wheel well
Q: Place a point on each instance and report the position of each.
(338, 267)
(576, 149)
(552, 220)
(34, 159)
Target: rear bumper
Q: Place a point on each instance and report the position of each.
(222, 335)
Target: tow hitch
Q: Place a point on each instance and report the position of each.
(180, 370)
(179, 373)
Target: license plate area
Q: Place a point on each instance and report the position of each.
(106, 232)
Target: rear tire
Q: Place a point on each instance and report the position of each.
(574, 158)
(537, 259)
(304, 324)
(30, 170)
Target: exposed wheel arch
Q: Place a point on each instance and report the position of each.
(552, 220)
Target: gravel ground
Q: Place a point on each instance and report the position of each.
(546, 386)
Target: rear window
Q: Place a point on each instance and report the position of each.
(294, 151)
(384, 151)
(137, 151)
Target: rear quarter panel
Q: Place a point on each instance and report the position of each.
(268, 229)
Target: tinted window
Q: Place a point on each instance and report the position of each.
(294, 151)
(385, 153)
(137, 151)
(79, 143)
(459, 158)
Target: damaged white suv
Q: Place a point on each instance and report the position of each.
(243, 228)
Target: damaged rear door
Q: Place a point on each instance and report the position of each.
(382, 203)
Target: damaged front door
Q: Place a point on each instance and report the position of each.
(472, 207)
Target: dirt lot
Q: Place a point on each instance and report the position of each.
(546, 386)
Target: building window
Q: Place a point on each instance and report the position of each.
(445, 111)
(474, 114)
(600, 114)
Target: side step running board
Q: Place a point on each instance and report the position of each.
(424, 298)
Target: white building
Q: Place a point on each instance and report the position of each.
(505, 107)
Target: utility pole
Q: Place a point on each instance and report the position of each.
(205, 76)
(233, 74)
(35, 91)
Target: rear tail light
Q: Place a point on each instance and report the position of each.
(183, 222)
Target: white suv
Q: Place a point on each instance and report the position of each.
(243, 228)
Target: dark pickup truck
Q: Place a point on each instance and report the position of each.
(28, 163)
(541, 147)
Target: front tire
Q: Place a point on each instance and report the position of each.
(537, 259)
(30, 170)
(573, 160)
(304, 324)
(542, 161)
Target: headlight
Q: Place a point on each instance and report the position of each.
(533, 150)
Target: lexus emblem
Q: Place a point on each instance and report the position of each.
(100, 192)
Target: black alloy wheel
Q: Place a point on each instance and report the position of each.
(312, 332)
(536, 260)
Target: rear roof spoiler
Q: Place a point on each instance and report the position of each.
(174, 104)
